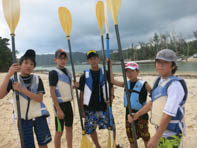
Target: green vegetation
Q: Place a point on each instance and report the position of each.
(5, 55)
(147, 51)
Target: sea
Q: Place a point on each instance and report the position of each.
(183, 68)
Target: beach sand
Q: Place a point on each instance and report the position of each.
(9, 134)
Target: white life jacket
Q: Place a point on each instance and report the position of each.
(29, 108)
(63, 90)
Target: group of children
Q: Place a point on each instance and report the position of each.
(168, 97)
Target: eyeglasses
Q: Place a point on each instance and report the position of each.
(91, 51)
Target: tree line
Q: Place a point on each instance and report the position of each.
(141, 51)
(5, 54)
(148, 50)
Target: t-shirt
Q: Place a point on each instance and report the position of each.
(142, 99)
(175, 95)
(53, 76)
(94, 104)
(27, 82)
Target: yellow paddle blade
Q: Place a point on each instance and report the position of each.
(85, 142)
(114, 8)
(114, 144)
(100, 15)
(11, 9)
(65, 20)
(109, 139)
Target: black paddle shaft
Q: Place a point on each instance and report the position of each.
(105, 78)
(74, 77)
(126, 85)
(17, 95)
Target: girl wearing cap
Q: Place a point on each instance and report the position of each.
(31, 90)
(169, 95)
(138, 97)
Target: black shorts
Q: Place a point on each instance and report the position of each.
(68, 117)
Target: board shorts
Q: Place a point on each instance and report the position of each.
(141, 126)
(40, 126)
(66, 107)
(170, 142)
(94, 118)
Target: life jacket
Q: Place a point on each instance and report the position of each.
(89, 86)
(63, 89)
(29, 108)
(159, 98)
(134, 96)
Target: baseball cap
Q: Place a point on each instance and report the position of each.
(60, 52)
(166, 55)
(29, 54)
(92, 53)
(132, 66)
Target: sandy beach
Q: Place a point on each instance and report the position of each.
(9, 134)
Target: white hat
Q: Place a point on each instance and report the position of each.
(132, 66)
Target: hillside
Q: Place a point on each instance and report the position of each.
(47, 59)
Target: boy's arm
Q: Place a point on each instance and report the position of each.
(141, 112)
(36, 97)
(60, 113)
(112, 93)
(81, 101)
(53, 80)
(113, 81)
(117, 83)
(146, 108)
(148, 88)
(154, 141)
(3, 88)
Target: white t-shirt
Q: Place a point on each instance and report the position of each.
(175, 96)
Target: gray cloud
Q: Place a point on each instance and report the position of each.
(39, 26)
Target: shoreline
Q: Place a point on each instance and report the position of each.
(179, 74)
(185, 75)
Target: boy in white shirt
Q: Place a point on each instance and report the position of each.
(169, 95)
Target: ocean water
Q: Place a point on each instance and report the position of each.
(183, 67)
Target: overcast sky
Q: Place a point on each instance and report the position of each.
(39, 27)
